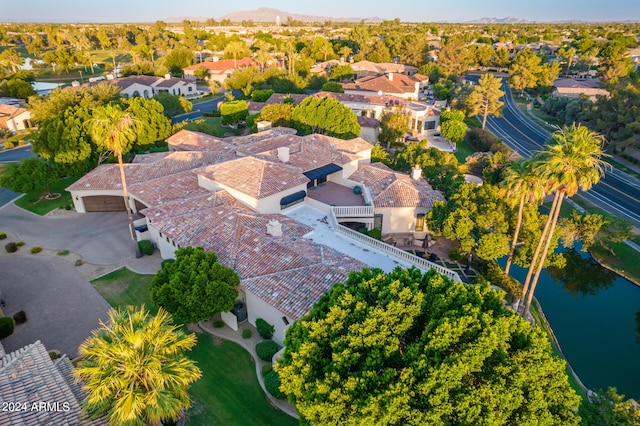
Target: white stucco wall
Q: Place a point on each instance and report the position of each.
(17, 123)
(271, 204)
(140, 88)
(398, 219)
(370, 134)
(258, 308)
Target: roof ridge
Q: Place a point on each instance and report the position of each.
(10, 358)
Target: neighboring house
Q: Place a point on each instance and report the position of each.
(145, 86)
(220, 70)
(370, 129)
(572, 88)
(409, 87)
(368, 68)
(14, 118)
(233, 196)
(634, 55)
(37, 390)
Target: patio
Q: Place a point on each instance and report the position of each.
(335, 195)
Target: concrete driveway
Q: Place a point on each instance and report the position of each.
(62, 307)
(100, 238)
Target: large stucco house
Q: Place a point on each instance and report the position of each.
(410, 87)
(220, 70)
(145, 86)
(14, 118)
(239, 197)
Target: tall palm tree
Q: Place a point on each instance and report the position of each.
(115, 131)
(325, 50)
(572, 162)
(344, 52)
(520, 186)
(135, 370)
(235, 48)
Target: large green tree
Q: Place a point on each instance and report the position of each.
(394, 123)
(195, 286)
(325, 116)
(454, 57)
(151, 123)
(524, 69)
(135, 370)
(485, 98)
(29, 175)
(10, 58)
(413, 349)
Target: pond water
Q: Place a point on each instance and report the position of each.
(595, 316)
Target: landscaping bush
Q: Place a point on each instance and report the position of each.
(481, 140)
(6, 327)
(11, 247)
(20, 317)
(9, 145)
(493, 273)
(63, 252)
(3, 235)
(267, 349)
(261, 95)
(218, 324)
(246, 333)
(165, 262)
(79, 262)
(272, 383)
(375, 233)
(146, 247)
(36, 249)
(266, 369)
(264, 328)
(20, 243)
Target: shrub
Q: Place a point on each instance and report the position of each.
(21, 142)
(146, 247)
(264, 328)
(246, 333)
(36, 249)
(375, 233)
(266, 349)
(3, 235)
(79, 262)
(6, 327)
(63, 252)
(20, 317)
(480, 140)
(493, 273)
(218, 324)
(266, 369)
(11, 247)
(272, 383)
(20, 243)
(332, 86)
(261, 95)
(9, 145)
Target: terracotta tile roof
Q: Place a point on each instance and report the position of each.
(158, 191)
(255, 137)
(373, 99)
(11, 110)
(368, 122)
(391, 189)
(187, 140)
(149, 158)
(255, 177)
(29, 376)
(169, 210)
(125, 82)
(170, 82)
(381, 68)
(108, 176)
(351, 146)
(223, 65)
(400, 84)
(278, 98)
(269, 144)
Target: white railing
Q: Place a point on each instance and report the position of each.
(368, 200)
(352, 211)
(399, 254)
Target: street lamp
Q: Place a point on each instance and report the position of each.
(81, 79)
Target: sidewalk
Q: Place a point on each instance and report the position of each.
(249, 345)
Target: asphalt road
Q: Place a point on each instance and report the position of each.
(198, 110)
(617, 192)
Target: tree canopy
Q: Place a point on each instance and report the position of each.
(234, 112)
(194, 287)
(29, 175)
(413, 349)
(325, 116)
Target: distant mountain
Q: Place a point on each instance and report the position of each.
(494, 20)
(265, 14)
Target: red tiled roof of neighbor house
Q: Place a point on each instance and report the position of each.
(351, 146)
(187, 140)
(399, 84)
(391, 189)
(254, 177)
(125, 82)
(223, 65)
(373, 99)
(278, 98)
(381, 68)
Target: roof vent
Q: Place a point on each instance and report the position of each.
(283, 154)
(416, 172)
(274, 228)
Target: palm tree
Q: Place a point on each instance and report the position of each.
(235, 48)
(134, 368)
(115, 130)
(325, 50)
(572, 162)
(344, 52)
(520, 186)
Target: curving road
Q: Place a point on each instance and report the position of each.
(617, 192)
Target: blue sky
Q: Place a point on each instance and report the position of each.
(407, 10)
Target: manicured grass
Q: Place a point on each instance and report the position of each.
(202, 99)
(35, 202)
(473, 121)
(624, 259)
(228, 392)
(464, 150)
(123, 287)
(211, 126)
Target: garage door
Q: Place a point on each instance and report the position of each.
(103, 203)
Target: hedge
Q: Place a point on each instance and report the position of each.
(265, 329)
(267, 349)
(3, 235)
(36, 249)
(6, 327)
(146, 247)
(272, 383)
(261, 95)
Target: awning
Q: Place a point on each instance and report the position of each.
(293, 197)
(322, 171)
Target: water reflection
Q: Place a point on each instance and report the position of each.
(582, 275)
(638, 326)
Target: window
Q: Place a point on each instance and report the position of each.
(377, 222)
(429, 125)
(189, 89)
(420, 222)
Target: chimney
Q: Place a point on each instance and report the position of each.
(416, 172)
(283, 154)
(167, 76)
(390, 76)
(274, 228)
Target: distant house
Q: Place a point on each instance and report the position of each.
(220, 70)
(148, 86)
(368, 68)
(14, 118)
(370, 128)
(571, 88)
(403, 86)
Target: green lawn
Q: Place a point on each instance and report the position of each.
(473, 121)
(211, 126)
(228, 392)
(35, 203)
(15, 139)
(624, 259)
(123, 287)
(464, 150)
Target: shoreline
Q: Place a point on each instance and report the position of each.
(615, 271)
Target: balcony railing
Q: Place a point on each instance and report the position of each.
(352, 211)
(412, 259)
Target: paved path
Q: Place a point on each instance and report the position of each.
(100, 238)
(62, 307)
